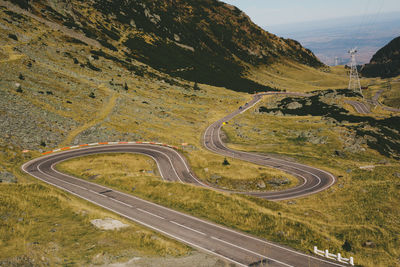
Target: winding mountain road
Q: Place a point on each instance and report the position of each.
(360, 107)
(312, 180)
(234, 246)
(375, 101)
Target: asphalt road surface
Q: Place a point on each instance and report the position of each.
(312, 180)
(375, 101)
(359, 106)
(234, 246)
(362, 108)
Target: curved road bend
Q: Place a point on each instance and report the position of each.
(358, 106)
(313, 180)
(234, 246)
(375, 101)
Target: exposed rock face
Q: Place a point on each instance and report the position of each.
(386, 62)
(7, 177)
(23, 124)
(206, 41)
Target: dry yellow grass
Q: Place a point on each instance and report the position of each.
(154, 110)
(44, 225)
(302, 223)
(361, 207)
(111, 165)
(9, 54)
(97, 118)
(298, 78)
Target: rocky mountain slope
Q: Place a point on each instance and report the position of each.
(386, 62)
(205, 41)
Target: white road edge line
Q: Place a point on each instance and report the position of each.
(142, 223)
(255, 253)
(176, 212)
(184, 226)
(192, 216)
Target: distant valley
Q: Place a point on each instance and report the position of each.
(332, 38)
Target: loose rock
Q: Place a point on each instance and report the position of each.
(7, 177)
(261, 184)
(108, 224)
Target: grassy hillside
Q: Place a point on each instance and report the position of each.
(41, 225)
(361, 208)
(205, 41)
(386, 62)
(294, 77)
(363, 211)
(60, 87)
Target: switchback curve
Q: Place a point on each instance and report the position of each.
(174, 167)
(234, 246)
(313, 180)
(237, 247)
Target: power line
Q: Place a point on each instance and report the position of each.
(363, 21)
(369, 22)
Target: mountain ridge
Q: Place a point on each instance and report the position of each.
(204, 41)
(385, 63)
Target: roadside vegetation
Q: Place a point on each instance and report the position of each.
(294, 77)
(361, 208)
(53, 95)
(390, 91)
(391, 94)
(302, 223)
(44, 226)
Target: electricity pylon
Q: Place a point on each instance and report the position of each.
(354, 82)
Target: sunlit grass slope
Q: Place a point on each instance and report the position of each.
(328, 219)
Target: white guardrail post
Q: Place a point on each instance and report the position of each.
(325, 253)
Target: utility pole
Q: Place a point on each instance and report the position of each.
(354, 82)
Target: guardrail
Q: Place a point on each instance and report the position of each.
(325, 253)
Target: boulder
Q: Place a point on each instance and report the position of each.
(261, 184)
(369, 244)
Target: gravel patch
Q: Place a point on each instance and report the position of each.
(108, 224)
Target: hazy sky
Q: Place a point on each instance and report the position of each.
(272, 12)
